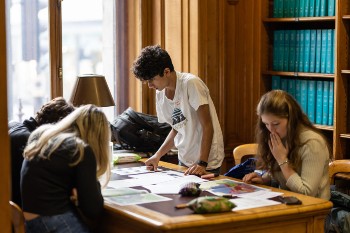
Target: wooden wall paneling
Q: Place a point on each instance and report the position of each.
(193, 40)
(5, 180)
(341, 82)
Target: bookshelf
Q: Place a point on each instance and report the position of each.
(337, 130)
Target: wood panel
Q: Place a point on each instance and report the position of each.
(5, 219)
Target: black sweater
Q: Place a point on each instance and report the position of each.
(46, 184)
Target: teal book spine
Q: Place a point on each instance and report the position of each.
(291, 87)
(331, 103)
(297, 8)
(325, 105)
(319, 101)
(284, 84)
(280, 9)
(306, 8)
(323, 50)
(307, 45)
(275, 8)
(301, 8)
(333, 52)
(323, 7)
(276, 82)
(297, 50)
(318, 51)
(281, 50)
(291, 7)
(275, 59)
(317, 8)
(329, 57)
(301, 50)
(286, 50)
(292, 44)
(331, 8)
(312, 50)
(298, 91)
(311, 100)
(285, 8)
(312, 8)
(303, 97)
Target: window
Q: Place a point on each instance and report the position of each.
(88, 46)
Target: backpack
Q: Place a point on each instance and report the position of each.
(138, 131)
(240, 170)
(338, 220)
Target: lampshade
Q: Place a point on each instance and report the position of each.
(91, 89)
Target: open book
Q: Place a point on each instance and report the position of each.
(130, 196)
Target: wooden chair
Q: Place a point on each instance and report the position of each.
(340, 169)
(244, 151)
(17, 218)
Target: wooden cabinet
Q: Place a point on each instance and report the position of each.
(339, 133)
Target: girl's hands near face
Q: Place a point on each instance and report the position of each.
(278, 150)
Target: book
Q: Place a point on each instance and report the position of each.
(311, 8)
(307, 46)
(329, 53)
(286, 50)
(331, 7)
(291, 87)
(298, 91)
(311, 100)
(280, 50)
(318, 51)
(319, 101)
(323, 7)
(284, 84)
(317, 8)
(292, 45)
(276, 82)
(276, 50)
(312, 51)
(323, 50)
(303, 95)
(297, 50)
(331, 103)
(301, 50)
(325, 105)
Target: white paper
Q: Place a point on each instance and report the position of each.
(248, 203)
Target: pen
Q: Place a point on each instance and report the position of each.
(209, 176)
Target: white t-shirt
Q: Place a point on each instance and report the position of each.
(180, 113)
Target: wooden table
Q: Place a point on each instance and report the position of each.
(308, 217)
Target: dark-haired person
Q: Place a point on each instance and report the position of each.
(292, 151)
(51, 112)
(71, 154)
(184, 102)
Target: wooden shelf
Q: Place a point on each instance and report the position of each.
(324, 127)
(298, 74)
(301, 19)
(345, 71)
(346, 17)
(345, 135)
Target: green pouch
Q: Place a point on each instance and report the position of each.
(210, 204)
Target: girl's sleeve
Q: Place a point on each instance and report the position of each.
(88, 187)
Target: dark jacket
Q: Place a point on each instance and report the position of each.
(19, 134)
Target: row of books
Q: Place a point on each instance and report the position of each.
(310, 50)
(316, 97)
(303, 8)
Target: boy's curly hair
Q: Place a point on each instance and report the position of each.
(151, 62)
(53, 111)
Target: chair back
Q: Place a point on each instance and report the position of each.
(17, 218)
(248, 150)
(339, 166)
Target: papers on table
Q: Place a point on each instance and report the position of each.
(170, 182)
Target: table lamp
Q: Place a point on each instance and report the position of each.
(91, 89)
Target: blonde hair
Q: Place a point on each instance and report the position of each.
(87, 125)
